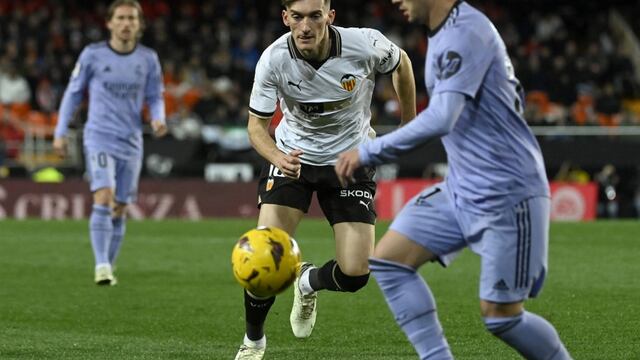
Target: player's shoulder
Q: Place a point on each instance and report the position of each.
(96, 46)
(146, 52)
(278, 51)
(145, 49)
(93, 51)
(465, 22)
(359, 41)
(464, 18)
(355, 35)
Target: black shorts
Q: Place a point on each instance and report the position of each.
(351, 204)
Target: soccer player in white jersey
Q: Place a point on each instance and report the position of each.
(120, 75)
(323, 78)
(495, 199)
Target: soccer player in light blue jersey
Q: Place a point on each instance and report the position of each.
(495, 199)
(120, 76)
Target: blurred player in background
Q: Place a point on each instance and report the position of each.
(120, 75)
(323, 78)
(495, 199)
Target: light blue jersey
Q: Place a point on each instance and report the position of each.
(118, 85)
(494, 159)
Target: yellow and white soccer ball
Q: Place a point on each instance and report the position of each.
(265, 261)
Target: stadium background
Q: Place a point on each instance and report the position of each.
(580, 66)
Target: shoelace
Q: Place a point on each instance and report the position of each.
(245, 348)
(308, 304)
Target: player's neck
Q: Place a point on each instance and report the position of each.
(122, 46)
(322, 52)
(439, 13)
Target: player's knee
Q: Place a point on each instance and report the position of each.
(351, 277)
(353, 268)
(492, 309)
(102, 196)
(119, 210)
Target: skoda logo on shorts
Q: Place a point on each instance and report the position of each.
(356, 193)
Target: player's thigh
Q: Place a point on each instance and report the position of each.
(514, 247)
(396, 247)
(101, 168)
(354, 245)
(428, 221)
(127, 179)
(353, 204)
(283, 217)
(276, 189)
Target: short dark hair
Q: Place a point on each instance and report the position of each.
(133, 3)
(287, 3)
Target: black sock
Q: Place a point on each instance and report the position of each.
(323, 277)
(256, 311)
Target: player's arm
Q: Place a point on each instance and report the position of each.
(258, 129)
(435, 121)
(405, 86)
(155, 99)
(71, 99)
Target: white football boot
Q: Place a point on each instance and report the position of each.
(252, 350)
(104, 275)
(303, 312)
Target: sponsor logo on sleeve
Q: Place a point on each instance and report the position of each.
(448, 64)
(389, 55)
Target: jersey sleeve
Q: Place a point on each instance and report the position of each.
(75, 91)
(155, 89)
(436, 120)
(461, 63)
(385, 55)
(264, 94)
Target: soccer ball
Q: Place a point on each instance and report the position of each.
(265, 261)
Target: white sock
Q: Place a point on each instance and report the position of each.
(103, 265)
(304, 284)
(255, 344)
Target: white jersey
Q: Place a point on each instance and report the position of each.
(326, 106)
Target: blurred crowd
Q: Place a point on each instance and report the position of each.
(567, 58)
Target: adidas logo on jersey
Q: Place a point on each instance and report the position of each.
(501, 285)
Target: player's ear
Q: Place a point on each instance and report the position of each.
(285, 18)
(331, 16)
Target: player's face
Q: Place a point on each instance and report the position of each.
(308, 21)
(413, 10)
(125, 23)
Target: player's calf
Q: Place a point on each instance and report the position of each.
(413, 306)
(529, 334)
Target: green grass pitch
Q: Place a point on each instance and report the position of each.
(177, 299)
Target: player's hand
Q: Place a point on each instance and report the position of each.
(346, 165)
(159, 128)
(60, 146)
(289, 164)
